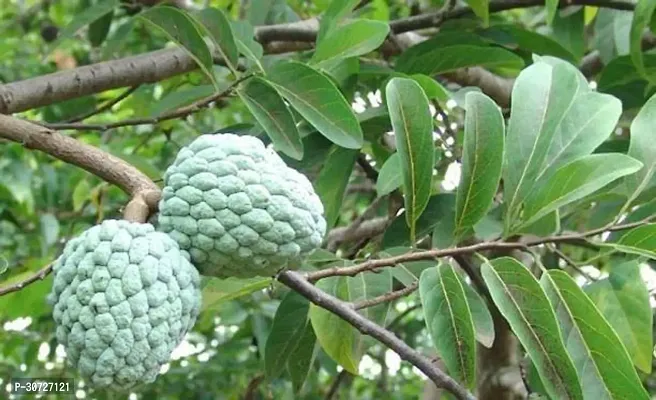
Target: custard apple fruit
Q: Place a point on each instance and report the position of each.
(238, 208)
(124, 296)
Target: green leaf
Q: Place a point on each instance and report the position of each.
(623, 299)
(368, 285)
(179, 98)
(413, 128)
(336, 336)
(99, 29)
(642, 147)
(483, 324)
(83, 19)
(440, 208)
(525, 306)
(218, 26)
(299, 363)
(272, 113)
(286, 333)
(640, 241)
(481, 9)
(49, 229)
(569, 30)
(390, 176)
(352, 39)
(319, 101)
(81, 194)
(218, 291)
(432, 88)
(576, 180)
(332, 181)
(115, 42)
(482, 160)
(336, 11)
(244, 35)
(181, 28)
(644, 10)
(514, 36)
(449, 321)
(604, 367)
(541, 96)
(552, 9)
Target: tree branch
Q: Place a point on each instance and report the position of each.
(38, 276)
(297, 282)
(384, 298)
(105, 106)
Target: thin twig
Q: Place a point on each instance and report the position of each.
(252, 387)
(402, 315)
(384, 298)
(179, 113)
(334, 387)
(38, 276)
(105, 106)
(570, 262)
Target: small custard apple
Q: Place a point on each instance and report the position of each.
(124, 296)
(238, 209)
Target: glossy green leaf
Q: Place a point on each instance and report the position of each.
(318, 100)
(449, 321)
(642, 147)
(602, 362)
(576, 180)
(83, 19)
(218, 26)
(336, 11)
(623, 299)
(333, 179)
(299, 363)
(286, 333)
(390, 176)
(336, 336)
(352, 39)
(482, 160)
(413, 128)
(99, 29)
(272, 113)
(483, 323)
(219, 291)
(525, 306)
(642, 15)
(181, 28)
(441, 59)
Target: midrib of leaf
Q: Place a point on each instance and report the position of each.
(413, 184)
(539, 341)
(456, 331)
(259, 105)
(473, 174)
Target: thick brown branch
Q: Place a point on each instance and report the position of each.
(297, 282)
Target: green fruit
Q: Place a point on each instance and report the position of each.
(124, 296)
(238, 209)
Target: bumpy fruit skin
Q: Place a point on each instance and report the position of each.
(124, 295)
(238, 209)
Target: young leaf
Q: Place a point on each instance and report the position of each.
(413, 128)
(286, 332)
(605, 369)
(623, 299)
(642, 147)
(642, 15)
(218, 26)
(319, 101)
(575, 181)
(272, 113)
(483, 323)
(390, 176)
(299, 363)
(335, 335)
(481, 161)
(218, 291)
(542, 94)
(181, 28)
(332, 181)
(640, 241)
(83, 19)
(352, 39)
(525, 306)
(449, 321)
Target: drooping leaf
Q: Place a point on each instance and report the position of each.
(482, 160)
(449, 321)
(483, 324)
(332, 181)
(604, 367)
(352, 39)
(218, 291)
(336, 336)
(99, 29)
(642, 147)
(413, 128)
(244, 35)
(318, 100)
(642, 15)
(525, 306)
(272, 113)
(390, 176)
(286, 332)
(576, 180)
(181, 28)
(299, 363)
(623, 299)
(218, 26)
(86, 17)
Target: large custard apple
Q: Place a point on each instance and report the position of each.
(124, 295)
(238, 208)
